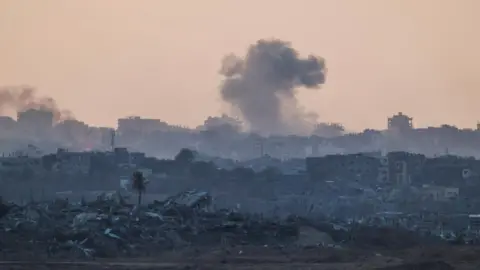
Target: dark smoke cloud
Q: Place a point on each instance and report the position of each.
(262, 86)
(22, 98)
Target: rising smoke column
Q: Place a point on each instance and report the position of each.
(22, 98)
(262, 86)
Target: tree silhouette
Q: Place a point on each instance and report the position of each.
(139, 184)
(185, 156)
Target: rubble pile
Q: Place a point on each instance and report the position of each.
(110, 227)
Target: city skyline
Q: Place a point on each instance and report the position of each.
(401, 120)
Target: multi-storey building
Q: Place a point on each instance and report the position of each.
(139, 125)
(400, 122)
(35, 122)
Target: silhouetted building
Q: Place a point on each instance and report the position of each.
(400, 122)
(139, 125)
(35, 121)
(73, 162)
(74, 131)
(403, 167)
(122, 156)
(7, 124)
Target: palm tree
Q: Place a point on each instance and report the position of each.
(139, 184)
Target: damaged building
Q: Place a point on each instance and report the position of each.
(396, 169)
(358, 167)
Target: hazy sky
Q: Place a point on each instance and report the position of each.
(157, 58)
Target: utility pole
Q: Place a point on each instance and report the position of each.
(112, 140)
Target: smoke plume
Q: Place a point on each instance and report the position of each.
(262, 86)
(22, 98)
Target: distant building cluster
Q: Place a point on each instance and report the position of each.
(36, 126)
(224, 136)
(439, 179)
(72, 163)
(444, 178)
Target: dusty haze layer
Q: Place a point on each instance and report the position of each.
(107, 59)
